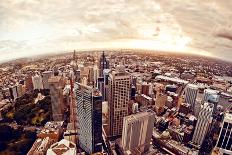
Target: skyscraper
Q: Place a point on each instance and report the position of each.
(100, 84)
(106, 82)
(191, 91)
(96, 73)
(20, 90)
(208, 94)
(77, 75)
(133, 92)
(203, 123)
(119, 96)
(91, 79)
(89, 113)
(75, 65)
(145, 89)
(103, 64)
(224, 142)
(137, 131)
(37, 82)
(56, 90)
(28, 83)
(46, 75)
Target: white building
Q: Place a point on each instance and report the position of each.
(137, 131)
(37, 82)
(208, 93)
(46, 75)
(135, 108)
(203, 123)
(191, 91)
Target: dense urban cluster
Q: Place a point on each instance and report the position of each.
(116, 102)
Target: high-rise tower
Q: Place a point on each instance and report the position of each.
(56, 86)
(137, 131)
(208, 94)
(103, 64)
(191, 91)
(118, 98)
(224, 142)
(203, 124)
(89, 113)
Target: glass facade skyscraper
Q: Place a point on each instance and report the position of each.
(89, 113)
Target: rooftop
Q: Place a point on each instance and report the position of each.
(63, 147)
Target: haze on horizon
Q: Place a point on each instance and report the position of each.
(32, 27)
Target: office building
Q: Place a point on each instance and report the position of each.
(224, 143)
(84, 80)
(119, 96)
(191, 91)
(91, 77)
(28, 83)
(37, 82)
(208, 93)
(203, 124)
(89, 113)
(135, 108)
(95, 75)
(106, 84)
(1, 95)
(20, 90)
(160, 102)
(145, 89)
(100, 84)
(137, 131)
(103, 64)
(14, 92)
(56, 86)
(144, 100)
(67, 96)
(77, 75)
(133, 92)
(45, 76)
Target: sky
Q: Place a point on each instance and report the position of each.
(33, 27)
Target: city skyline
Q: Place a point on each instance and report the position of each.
(132, 103)
(116, 77)
(30, 28)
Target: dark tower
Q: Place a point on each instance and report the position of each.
(104, 64)
(75, 66)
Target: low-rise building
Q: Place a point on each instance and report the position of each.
(41, 146)
(52, 130)
(63, 147)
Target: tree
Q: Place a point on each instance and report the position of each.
(2, 146)
(5, 133)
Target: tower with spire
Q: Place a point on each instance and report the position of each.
(103, 64)
(75, 66)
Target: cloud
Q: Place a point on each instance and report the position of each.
(41, 26)
(224, 32)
